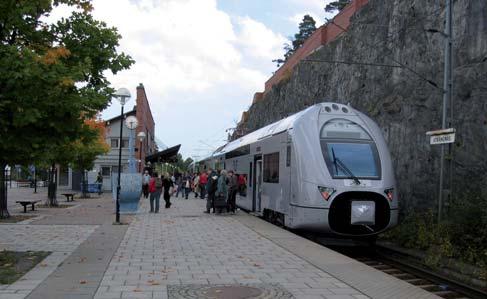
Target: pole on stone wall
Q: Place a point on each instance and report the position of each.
(447, 90)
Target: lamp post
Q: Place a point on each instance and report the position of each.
(123, 96)
(141, 136)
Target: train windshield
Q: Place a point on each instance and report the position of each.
(349, 151)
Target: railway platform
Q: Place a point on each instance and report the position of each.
(183, 253)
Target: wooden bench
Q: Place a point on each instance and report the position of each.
(68, 196)
(25, 203)
(21, 184)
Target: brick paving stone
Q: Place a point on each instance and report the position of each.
(61, 240)
(183, 246)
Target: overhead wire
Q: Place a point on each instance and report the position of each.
(390, 53)
(389, 39)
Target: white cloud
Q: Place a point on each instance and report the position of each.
(200, 67)
(258, 40)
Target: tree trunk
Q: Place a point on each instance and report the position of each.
(51, 189)
(3, 192)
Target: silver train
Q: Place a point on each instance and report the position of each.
(326, 168)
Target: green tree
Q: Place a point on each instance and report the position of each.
(306, 29)
(79, 155)
(52, 78)
(182, 164)
(336, 5)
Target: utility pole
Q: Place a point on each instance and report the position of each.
(447, 94)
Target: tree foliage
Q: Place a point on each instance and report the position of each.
(336, 5)
(52, 76)
(306, 29)
(183, 164)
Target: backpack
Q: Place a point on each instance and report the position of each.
(158, 183)
(213, 185)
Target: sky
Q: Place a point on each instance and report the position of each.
(200, 61)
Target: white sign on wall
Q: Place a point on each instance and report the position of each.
(441, 139)
(442, 136)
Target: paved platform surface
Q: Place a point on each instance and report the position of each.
(182, 253)
(60, 240)
(183, 247)
(81, 238)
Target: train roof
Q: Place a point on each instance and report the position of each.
(272, 129)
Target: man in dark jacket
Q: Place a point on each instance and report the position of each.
(232, 191)
(211, 187)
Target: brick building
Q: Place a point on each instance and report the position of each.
(108, 163)
(146, 125)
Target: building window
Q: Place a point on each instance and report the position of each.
(114, 143)
(271, 168)
(125, 143)
(105, 171)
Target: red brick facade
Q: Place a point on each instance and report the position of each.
(146, 125)
(321, 36)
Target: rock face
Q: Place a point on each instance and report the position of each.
(403, 103)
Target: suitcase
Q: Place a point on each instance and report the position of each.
(220, 202)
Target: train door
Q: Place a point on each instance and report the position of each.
(257, 190)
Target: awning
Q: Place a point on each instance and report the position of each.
(167, 155)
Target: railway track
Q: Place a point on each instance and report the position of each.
(402, 267)
(399, 265)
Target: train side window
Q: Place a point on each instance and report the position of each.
(288, 156)
(250, 175)
(271, 168)
(242, 184)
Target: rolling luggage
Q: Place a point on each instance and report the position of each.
(220, 203)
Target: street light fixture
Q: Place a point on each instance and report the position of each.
(123, 96)
(141, 137)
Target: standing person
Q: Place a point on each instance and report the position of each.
(155, 189)
(196, 185)
(167, 183)
(232, 191)
(99, 181)
(186, 185)
(221, 192)
(203, 182)
(179, 185)
(145, 184)
(211, 186)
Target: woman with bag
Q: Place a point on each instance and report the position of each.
(187, 185)
(196, 185)
(155, 189)
(221, 192)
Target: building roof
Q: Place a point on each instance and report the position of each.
(167, 155)
(128, 113)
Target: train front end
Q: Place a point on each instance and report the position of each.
(350, 188)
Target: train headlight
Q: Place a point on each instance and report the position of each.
(389, 193)
(326, 192)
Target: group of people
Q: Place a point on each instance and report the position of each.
(155, 185)
(218, 187)
(221, 187)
